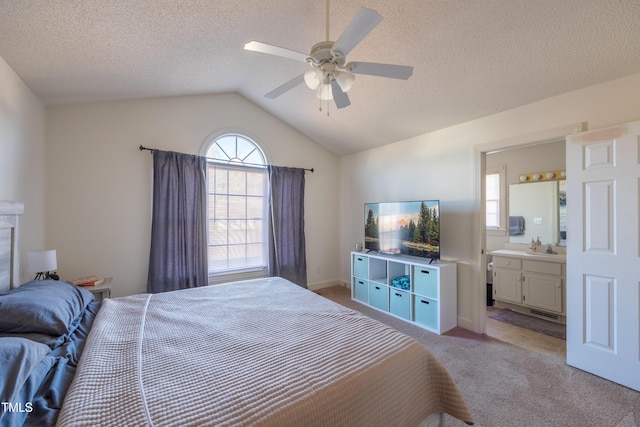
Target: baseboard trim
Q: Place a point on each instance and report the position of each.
(327, 284)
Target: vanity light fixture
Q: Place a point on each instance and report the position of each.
(542, 176)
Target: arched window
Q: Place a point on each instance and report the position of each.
(237, 206)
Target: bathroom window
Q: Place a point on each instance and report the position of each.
(495, 198)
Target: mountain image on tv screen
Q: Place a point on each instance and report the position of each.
(409, 228)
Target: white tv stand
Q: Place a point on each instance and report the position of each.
(427, 297)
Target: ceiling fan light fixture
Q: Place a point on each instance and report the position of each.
(345, 80)
(324, 92)
(330, 73)
(313, 78)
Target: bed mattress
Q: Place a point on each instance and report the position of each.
(260, 352)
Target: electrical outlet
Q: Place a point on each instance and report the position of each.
(537, 220)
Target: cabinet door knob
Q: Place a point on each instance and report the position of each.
(398, 295)
(424, 302)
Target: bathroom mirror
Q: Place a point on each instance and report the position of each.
(538, 210)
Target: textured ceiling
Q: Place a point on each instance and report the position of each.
(472, 58)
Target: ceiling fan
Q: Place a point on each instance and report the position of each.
(330, 75)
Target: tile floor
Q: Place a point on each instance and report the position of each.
(525, 338)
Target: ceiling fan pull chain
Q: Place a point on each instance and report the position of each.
(320, 106)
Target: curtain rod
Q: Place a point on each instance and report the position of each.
(141, 148)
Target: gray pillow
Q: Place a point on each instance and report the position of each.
(44, 306)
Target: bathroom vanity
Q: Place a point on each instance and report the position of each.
(532, 283)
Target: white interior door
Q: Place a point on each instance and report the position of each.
(603, 253)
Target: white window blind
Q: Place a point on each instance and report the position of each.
(493, 200)
(237, 206)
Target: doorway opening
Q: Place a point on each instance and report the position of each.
(529, 154)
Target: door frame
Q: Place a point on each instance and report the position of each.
(479, 309)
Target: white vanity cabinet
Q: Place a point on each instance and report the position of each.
(407, 287)
(542, 285)
(507, 279)
(530, 283)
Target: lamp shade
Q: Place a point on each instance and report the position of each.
(345, 79)
(41, 261)
(313, 78)
(324, 92)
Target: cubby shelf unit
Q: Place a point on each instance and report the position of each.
(409, 288)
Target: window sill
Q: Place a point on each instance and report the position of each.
(216, 279)
(498, 232)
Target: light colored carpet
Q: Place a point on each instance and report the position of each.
(505, 385)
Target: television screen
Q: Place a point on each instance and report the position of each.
(409, 228)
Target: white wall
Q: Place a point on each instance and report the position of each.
(99, 184)
(443, 165)
(22, 157)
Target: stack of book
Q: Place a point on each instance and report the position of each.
(88, 281)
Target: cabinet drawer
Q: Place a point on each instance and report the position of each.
(361, 266)
(361, 290)
(425, 311)
(543, 267)
(379, 296)
(506, 262)
(400, 303)
(425, 281)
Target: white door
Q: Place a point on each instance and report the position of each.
(603, 253)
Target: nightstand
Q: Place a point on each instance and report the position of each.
(101, 291)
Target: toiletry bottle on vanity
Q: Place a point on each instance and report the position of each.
(532, 246)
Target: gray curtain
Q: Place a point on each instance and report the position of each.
(287, 256)
(178, 257)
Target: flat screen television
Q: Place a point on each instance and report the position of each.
(408, 228)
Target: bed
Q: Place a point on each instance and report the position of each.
(257, 352)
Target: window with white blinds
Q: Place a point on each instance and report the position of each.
(237, 205)
(495, 199)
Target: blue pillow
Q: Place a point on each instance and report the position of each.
(44, 306)
(18, 358)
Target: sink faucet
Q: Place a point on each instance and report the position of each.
(549, 250)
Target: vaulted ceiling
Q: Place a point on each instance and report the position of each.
(471, 58)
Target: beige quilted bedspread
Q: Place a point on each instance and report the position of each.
(262, 352)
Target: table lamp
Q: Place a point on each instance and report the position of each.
(43, 263)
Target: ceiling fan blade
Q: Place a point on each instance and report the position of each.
(382, 70)
(341, 99)
(285, 87)
(361, 25)
(275, 50)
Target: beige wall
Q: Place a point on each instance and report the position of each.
(445, 165)
(99, 184)
(22, 157)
